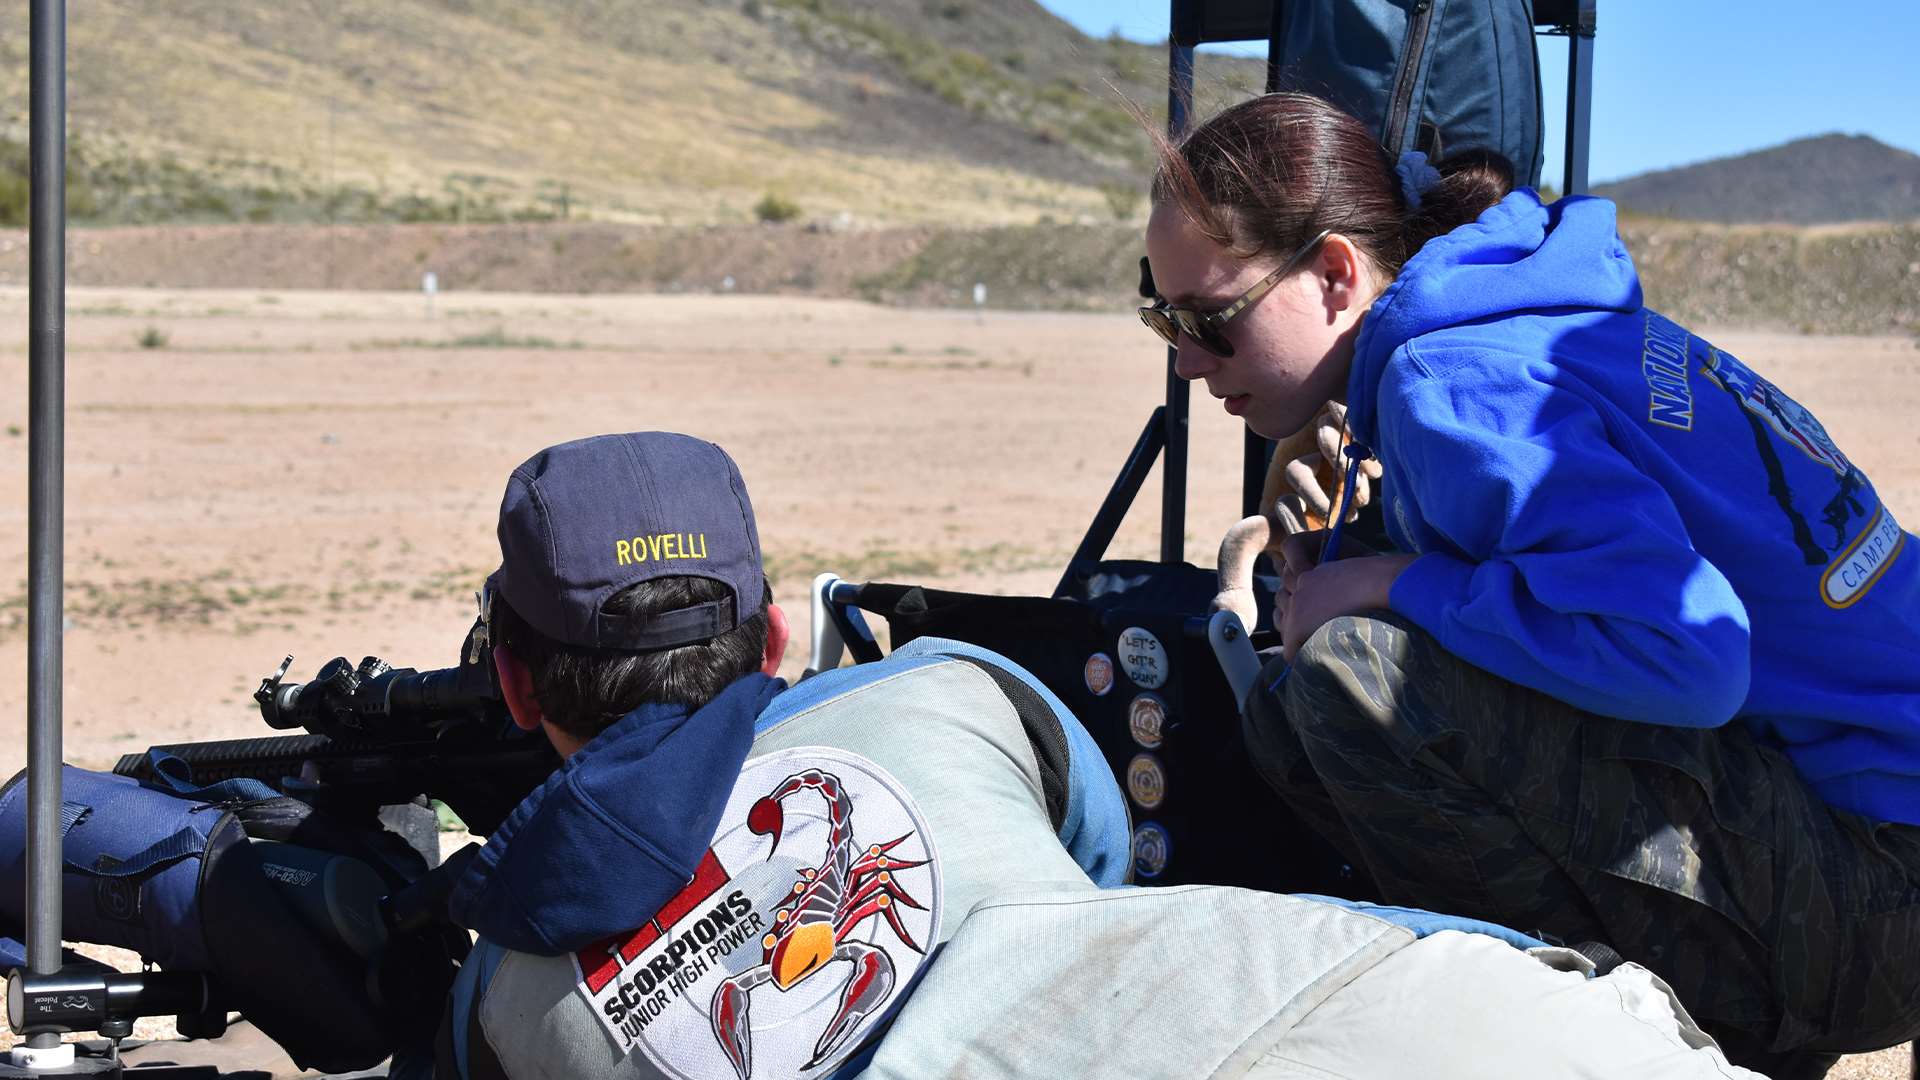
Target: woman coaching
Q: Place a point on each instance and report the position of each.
(1644, 669)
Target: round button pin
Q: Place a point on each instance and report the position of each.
(1098, 673)
(1147, 781)
(1147, 720)
(1152, 849)
(1143, 658)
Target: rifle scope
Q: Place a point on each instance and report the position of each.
(376, 699)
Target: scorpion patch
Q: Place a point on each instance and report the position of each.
(804, 927)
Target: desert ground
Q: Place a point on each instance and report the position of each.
(252, 474)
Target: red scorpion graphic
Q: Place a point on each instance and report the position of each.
(811, 928)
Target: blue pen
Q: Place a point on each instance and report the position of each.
(1355, 454)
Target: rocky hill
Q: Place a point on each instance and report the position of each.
(1821, 180)
(655, 111)
(686, 112)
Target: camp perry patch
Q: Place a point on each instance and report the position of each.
(805, 925)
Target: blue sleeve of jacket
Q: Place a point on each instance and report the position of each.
(1563, 566)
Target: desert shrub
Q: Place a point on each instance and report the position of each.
(15, 183)
(15, 199)
(774, 208)
(153, 338)
(1122, 199)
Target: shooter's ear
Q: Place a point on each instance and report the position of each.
(516, 686)
(777, 635)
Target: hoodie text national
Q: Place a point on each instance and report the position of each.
(1611, 538)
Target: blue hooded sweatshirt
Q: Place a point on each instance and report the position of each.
(620, 827)
(1610, 510)
(616, 831)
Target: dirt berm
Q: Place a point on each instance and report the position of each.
(1862, 279)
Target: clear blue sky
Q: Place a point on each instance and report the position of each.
(1679, 81)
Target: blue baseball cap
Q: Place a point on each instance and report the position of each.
(583, 520)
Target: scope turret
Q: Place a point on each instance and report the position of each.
(375, 699)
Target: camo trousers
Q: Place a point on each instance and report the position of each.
(1790, 929)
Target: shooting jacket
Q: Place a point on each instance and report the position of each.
(1033, 959)
(1006, 786)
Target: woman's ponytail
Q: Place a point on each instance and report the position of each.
(1469, 183)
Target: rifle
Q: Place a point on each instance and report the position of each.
(320, 889)
(377, 736)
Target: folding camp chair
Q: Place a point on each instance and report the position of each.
(1149, 682)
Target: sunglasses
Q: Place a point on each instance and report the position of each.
(1206, 327)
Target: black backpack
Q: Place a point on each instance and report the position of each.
(1439, 76)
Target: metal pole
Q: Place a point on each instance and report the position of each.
(1579, 97)
(1093, 546)
(46, 392)
(1173, 477)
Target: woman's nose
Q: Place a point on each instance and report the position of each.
(1190, 361)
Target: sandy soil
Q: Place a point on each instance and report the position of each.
(317, 473)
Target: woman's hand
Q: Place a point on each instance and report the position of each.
(1300, 552)
(1313, 595)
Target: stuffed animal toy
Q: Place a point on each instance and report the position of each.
(1301, 490)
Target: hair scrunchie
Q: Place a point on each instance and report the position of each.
(1416, 177)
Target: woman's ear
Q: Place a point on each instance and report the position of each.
(516, 686)
(1344, 274)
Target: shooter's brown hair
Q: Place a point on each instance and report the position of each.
(582, 691)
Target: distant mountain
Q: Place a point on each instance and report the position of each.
(651, 111)
(1813, 181)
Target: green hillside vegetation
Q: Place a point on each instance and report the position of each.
(135, 190)
(688, 112)
(897, 150)
(649, 111)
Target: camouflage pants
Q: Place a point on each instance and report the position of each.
(1791, 930)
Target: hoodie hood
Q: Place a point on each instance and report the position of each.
(1522, 257)
(616, 831)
